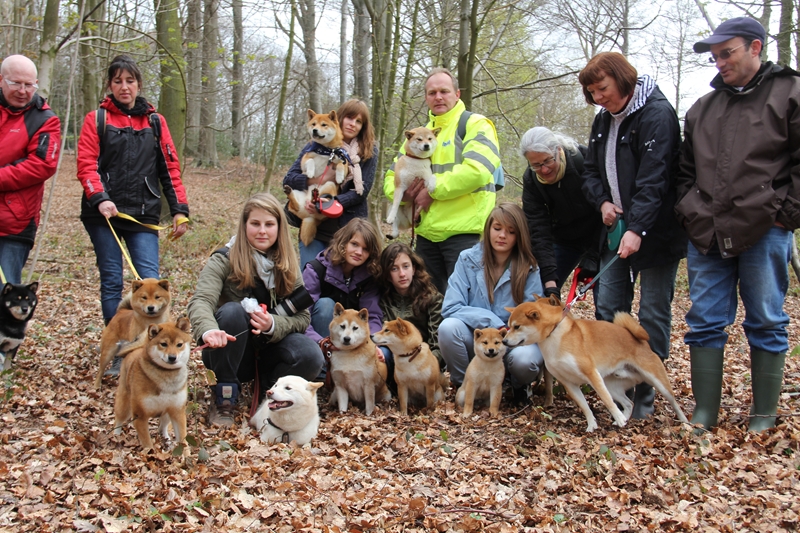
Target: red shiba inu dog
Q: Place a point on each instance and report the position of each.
(485, 373)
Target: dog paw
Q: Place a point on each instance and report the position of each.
(390, 219)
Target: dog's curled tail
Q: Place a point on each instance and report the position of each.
(628, 322)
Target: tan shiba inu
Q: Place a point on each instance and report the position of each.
(324, 130)
(147, 303)
(152, 383)
(612, 358)
(290, 412)
(485, 373)
(357, 374)
(416, 369)
(310, 220)
(415, 163)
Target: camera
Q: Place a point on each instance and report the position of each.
(299, 300)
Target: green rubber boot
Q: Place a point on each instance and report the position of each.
(706, 385)
(766, 371)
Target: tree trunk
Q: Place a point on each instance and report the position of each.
(208, 104)
(785, 32)
(308, 25)
(194, 63)
(48, 47)
(237, 91)
(464, 72)
(343, 53)
(172, 101)
(92, 75)
(361, 50)
(287, 71)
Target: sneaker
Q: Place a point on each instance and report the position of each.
(113, 370)
(222, 405)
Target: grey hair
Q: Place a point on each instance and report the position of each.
(541, 139)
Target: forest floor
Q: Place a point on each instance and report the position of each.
(62, 469)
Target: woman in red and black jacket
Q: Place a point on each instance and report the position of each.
(126, 161)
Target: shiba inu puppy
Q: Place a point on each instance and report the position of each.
(416, 369)
(152, 383)
(310, 220)
(325, 131)
(357, 374)
(485, 373)
(17, 304)
(612, 358)
(290, 412)
(147, 303)
(415, 163)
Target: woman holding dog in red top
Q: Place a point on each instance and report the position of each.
(359, 142)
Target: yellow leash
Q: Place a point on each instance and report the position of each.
(2, 276)
(172, 237)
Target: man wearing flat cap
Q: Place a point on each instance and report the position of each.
(739, 201)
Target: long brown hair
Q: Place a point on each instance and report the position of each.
(612, 64)
(243, 266)
(366, 137)
(513, 218)
(335, 253)
(422, 290)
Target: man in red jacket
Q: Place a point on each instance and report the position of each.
(29, 143)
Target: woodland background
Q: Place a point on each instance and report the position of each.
(234, 81)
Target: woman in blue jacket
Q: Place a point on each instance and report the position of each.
(498, 272)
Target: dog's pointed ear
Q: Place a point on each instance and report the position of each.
(164, 284)
(136, 285)
(555, 301)
(7, 287)
(477, 334)
(409, 134)
(338, 309)
(314, 385)
(33, 287)
(436, 132)
(332, 116)
(311, 114)
(364, 314)
(535, 297)
(532, 315)
(402, 326)
(153, 330)
(503, 332)
(183, 324)
(510, 309)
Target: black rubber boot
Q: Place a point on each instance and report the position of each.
(706, 384)
(643, 398)
(766, 371)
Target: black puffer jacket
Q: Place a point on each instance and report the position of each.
(648, 145)
(559, 213)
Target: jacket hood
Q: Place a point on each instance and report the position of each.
(441, 121)
(767, 70)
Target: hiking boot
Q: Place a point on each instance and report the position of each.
(222, 405)
(116, 365)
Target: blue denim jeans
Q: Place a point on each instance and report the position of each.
(143, 249)
(762, 277)
(440, 257)
(307, 253)
(657, 288)
(456, 341)
(13, 255)
(321, 316)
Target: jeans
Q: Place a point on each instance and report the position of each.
(762, 277)
(456, 339)
(13, 255)
(440, 257)
(236, 362)
(655, 303)
(143, 249)
(308, 253)
(321, 316)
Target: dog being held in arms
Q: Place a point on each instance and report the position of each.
(611, 357)
(485, 373)
(148, 303)
(153, 383)
(290, 412)
(357, 373)
(17, 304)
(416, 369)
(415, 163)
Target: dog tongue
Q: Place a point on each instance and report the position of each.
(278, 405)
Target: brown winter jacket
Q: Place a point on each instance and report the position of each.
(739, 170)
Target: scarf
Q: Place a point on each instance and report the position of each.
(140, 107)
(562, 169)
(354, 171)
(265, 267)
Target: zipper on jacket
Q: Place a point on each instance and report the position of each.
(169, 153)
(143, 209)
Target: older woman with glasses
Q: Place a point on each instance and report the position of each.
(565, 228)
(629, 174)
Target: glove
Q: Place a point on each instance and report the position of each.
(552, 291)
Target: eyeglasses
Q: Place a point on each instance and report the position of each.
(725, 54)
(546, 163)
(17, 85)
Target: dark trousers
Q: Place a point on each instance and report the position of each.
(294, 355)
(440, 257)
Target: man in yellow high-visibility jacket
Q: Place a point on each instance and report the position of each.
(453, 216)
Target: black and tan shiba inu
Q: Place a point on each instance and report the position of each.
(17, 304)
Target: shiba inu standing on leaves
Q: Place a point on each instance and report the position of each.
(611, 357)
(416, 369)
(152, 383)
(148, 303)
(415, 163)
(485, 373)
(17, 304)
(357, 374)
(290, 412)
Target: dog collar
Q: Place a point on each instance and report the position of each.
(412, 156)
(285, 436)
(412, 354)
